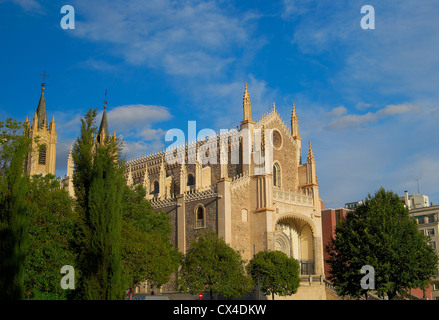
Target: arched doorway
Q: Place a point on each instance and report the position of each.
(295, 236)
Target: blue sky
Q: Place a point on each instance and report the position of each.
(368, 100)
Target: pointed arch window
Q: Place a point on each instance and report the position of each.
(190, 180)
(42, 154)
(200, 217)
(156, 187)
(276, 175)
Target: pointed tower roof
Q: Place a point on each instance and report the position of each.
(41, 109)
(247, 105)
(310, 153)
(103, 128)
(294, 114)
(295, 124)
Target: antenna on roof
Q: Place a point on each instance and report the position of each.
(417, 181)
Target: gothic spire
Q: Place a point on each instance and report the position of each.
(294, 114)
(295, 124)
(103, 128)
(41, 109)
(247, 105)
(310, 153)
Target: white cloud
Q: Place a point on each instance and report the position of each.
(294, 8)
(148, 134)
(362, 106)
(183, 38)
(126, 118)
(99, 65)
(337, 112)
(393, 109)
(352, 120)
(398, 57)
(133, 149)
(30, 5)
(357, 121)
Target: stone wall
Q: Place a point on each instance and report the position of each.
(241, 220)
(210, 216)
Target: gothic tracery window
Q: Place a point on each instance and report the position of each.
(199, 217)
(276, 175)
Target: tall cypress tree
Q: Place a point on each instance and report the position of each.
(98, 181)
(14, 148)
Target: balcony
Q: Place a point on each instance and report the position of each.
(292, 197)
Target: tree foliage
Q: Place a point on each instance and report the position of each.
(380, 233)
(99, 184)
(212, 265)
(52, 220)
(275, 273)
(147, 252)
(14, 147)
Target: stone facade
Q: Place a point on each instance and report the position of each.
(253, 205)
(249, 185)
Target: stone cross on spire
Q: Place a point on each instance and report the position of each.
(43, 84)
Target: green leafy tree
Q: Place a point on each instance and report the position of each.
(14, 148)
(275, 273)
(99, 183)
(380, 233)
(212, 265)
(147, 252)
(146, 257)
(139, 212)
(52, 220)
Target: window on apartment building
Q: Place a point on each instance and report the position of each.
(338, 217)
(433, 244)
(431, 218)
(421, 220)
(435, 286)
(430, 232)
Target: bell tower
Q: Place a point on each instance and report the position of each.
(42, 157)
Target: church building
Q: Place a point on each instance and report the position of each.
(252, 207)
(221, 183)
